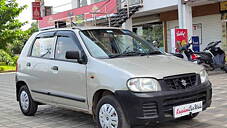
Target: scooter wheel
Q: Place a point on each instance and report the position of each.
(225, 69)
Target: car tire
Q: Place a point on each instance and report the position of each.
(109, 110)
(27, 105)
(190, 117)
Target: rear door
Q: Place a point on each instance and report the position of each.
(38, 66)
(68, 76)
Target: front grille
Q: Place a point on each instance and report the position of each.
(169, 103)
(150, 110)
(181, 81)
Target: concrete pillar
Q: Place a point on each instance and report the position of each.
(75, 3)
(127, 24)
(185, 17)
(165, 31)
(180, 14)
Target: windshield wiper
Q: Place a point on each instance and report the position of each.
(151, 53)
(131, 53)
(134, 53)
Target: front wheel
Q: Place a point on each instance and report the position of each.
(109, 113)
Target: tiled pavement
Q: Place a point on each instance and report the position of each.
(54, 117)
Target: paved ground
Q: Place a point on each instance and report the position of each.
(54, 117)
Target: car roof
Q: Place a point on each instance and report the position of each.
(96, 27)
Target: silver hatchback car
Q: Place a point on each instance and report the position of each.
(111, 73)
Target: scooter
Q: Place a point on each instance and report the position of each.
(189, 53)
(212, 57)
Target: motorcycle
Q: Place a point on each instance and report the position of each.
(212, 57)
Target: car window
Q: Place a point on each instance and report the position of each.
(43, 47)
(64, 44)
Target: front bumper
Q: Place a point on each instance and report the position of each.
(146, 108)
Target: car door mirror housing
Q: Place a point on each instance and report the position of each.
(73, 55)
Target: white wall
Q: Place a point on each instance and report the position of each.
(60, 5)
(153, 5)
(211, 29)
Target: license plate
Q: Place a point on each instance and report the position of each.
(187, 109)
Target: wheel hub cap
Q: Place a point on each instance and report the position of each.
(108, 116)
(24, 100)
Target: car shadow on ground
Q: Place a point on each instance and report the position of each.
(65, 117)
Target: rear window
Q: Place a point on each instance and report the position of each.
(43, 47)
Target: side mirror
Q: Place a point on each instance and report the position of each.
(72, 55)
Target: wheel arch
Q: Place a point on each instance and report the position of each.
(19, 84)
(98, 95)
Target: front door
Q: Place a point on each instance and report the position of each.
(69, 76)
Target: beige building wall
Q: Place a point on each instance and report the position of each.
(211, 29)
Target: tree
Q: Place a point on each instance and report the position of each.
(10, 31)
(33, 28)
(17, 45)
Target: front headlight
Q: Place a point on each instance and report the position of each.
(143, 85)
(203, 76)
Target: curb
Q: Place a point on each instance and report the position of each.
(7, 72)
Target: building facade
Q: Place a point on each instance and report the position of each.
(208, 20)
(155, 18)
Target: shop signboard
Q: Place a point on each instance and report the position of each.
(36, 12)
(179, 37)
(223, 6)
(195, 43)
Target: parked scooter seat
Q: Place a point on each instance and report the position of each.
(204, 55)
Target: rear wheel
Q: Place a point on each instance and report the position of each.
(27, 105)
(109, 113)
(224, 69)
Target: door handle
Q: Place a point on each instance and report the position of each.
(55, 68)
(28, 64)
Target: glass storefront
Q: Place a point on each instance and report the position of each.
(152, 33)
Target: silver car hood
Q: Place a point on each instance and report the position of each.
(157, 66)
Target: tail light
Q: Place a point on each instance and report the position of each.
(17, 67)
(194, 57)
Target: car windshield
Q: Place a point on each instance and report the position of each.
(113, 43)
